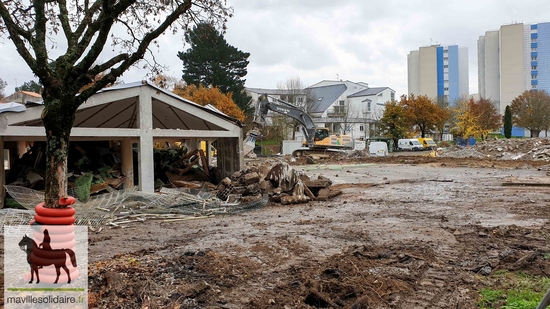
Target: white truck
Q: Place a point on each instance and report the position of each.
(410, 144)
(378, 149)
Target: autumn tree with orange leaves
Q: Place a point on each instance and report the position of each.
(475, 118)
(488, 118)
(422, 113)
(213, 96)
(465, 121)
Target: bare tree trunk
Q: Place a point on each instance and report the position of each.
(58, 120)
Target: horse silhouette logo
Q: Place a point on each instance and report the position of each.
(42, 255)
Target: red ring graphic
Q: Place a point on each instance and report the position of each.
(54, 212)
(54, 220)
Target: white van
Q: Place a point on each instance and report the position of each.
(409, 144)
(379, 149)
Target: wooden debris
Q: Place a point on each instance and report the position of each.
(98, 187)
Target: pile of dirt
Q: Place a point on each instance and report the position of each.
(536, 149)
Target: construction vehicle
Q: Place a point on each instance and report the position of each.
(317, 140)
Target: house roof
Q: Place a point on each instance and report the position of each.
(32, 94)
(325, 96)
(367, 92)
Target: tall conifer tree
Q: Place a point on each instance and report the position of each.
(211, 61)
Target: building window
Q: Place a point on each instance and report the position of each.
(533, 76)
(445, 59)
(369, 107)
(533, 49)
(533, 86)
(446, 89)
(534, 67)
(341, 102)
(392, 96)
(300, 100)
(339, 109)
(534, 58)
(446, 66)
(361, 128)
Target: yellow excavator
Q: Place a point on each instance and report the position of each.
(318, 140)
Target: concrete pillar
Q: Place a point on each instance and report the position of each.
(2, 174)
(21, 148)
(145, 156)
(230, 155)
(209, 152)
(127, 157)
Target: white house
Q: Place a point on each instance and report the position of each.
(349, 107)
(342, 106)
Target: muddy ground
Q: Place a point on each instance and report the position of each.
(407, 232)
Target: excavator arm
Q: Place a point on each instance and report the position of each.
(263, 106)
(287, 109)
(317, 139)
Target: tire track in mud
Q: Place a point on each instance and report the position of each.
(438, 287)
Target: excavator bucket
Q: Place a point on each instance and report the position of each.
(250, 141)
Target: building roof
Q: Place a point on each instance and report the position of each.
(367, 92)
(117, 106)
(32, 94)
(325, 96)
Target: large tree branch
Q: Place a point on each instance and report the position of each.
(108, 64)
(39, 42)
(134, 57)
(87, 20)
(65, 24)
(16, 33)
(102, 27)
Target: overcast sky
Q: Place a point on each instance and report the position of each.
(360, 41)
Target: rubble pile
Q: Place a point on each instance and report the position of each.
(532, 149)
(279, 181)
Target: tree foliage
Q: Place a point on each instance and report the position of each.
(167, 82)
(531, 110)
(213, 96)
(488, 118)
(394, 122)
(465, 121)
(64, 44)
(3, 85)
(475, 118)
(211, 61)
(422, 113)
(508, 122)
(31, 86)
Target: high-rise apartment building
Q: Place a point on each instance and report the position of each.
(513, 59)
(439, 72)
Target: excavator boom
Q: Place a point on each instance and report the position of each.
(315, 138)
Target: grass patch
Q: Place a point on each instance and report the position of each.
(513, 291)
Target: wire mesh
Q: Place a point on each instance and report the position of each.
(16, 217)
(103, 209)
